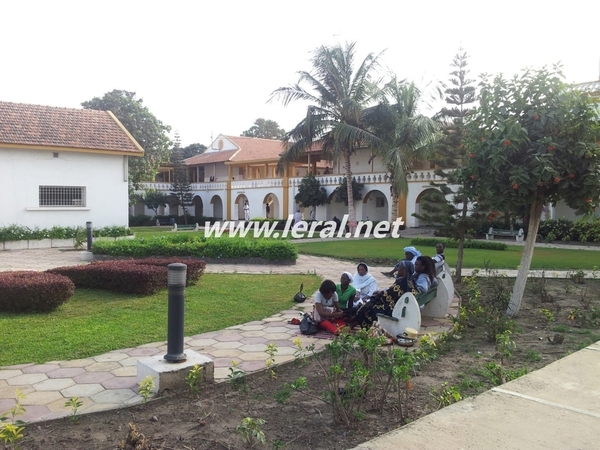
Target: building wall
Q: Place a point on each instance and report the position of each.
(562, 211)
(23, 171)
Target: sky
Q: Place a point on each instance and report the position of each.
(209, 68)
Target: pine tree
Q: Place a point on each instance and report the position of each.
(449, 204)
(181, 188)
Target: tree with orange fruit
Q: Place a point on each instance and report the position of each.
(535, 142)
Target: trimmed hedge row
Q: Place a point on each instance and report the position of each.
(144, 277)
(29, 291)
(566, 230)
(22, 233)
(453, 243)
(188, 244)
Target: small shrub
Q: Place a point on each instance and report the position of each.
(11, 428)
(250, 430)
(116, 276)
(146, 387)
(74, 403)
(194, 378)
(29, 291)
(144, 276)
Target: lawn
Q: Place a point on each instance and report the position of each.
(94, 322)
(388, 251)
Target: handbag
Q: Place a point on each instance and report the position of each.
(308, 325)
(300, 297)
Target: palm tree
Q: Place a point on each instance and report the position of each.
(338, 95)
(408, 135)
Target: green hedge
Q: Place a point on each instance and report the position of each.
(28, 291)
(187, 244)
(566, 230)
(23, 233)
(452, 243)
(140, 276)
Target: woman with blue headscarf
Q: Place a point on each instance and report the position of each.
(410, 254)
(383, 302)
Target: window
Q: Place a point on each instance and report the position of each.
(62, 196)
(379, 202)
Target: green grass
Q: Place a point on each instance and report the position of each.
(388, 251)
(158, 231)
(94, 322)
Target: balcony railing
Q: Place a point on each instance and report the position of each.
(325, 180)
(253, 184)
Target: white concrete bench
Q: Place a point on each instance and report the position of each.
(193, 227)
(438, 307)
(407, 312)
(518, 235)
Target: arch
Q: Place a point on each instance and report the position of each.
(139, 208)
(274, 207)
(238, 205)
(172, 205)
(375, 206)
(418, 205)
(217, 207)
(198, 206)
(338, 209)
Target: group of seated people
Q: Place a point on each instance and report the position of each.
(356, 300)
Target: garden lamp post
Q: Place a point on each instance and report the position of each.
(176, 285)
(88, 226)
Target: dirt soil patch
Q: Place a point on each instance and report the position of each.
(557, 317)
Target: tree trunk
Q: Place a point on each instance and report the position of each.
(535, 215)
(394, 208)
(461, 243)
(351, 212)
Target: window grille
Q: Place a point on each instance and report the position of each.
(62, 196)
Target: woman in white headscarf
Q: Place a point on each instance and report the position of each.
(364, 283)
(383, 302)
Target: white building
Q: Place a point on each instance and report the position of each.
(236, 169)
(63, 167)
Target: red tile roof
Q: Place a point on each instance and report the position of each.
(252, 149)
(47, 126)
(211, 157)
(249, 149)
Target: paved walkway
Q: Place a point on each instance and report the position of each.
(109, 381)
(556, 407)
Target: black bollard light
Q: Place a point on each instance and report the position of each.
(176, 284)
(88, 225)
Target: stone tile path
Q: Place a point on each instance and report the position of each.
(109, 381)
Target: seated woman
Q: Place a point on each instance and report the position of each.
(364, 283)
(345, 291)
(327, 312)
(410, 254)
(424, 276)
(383, 302)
